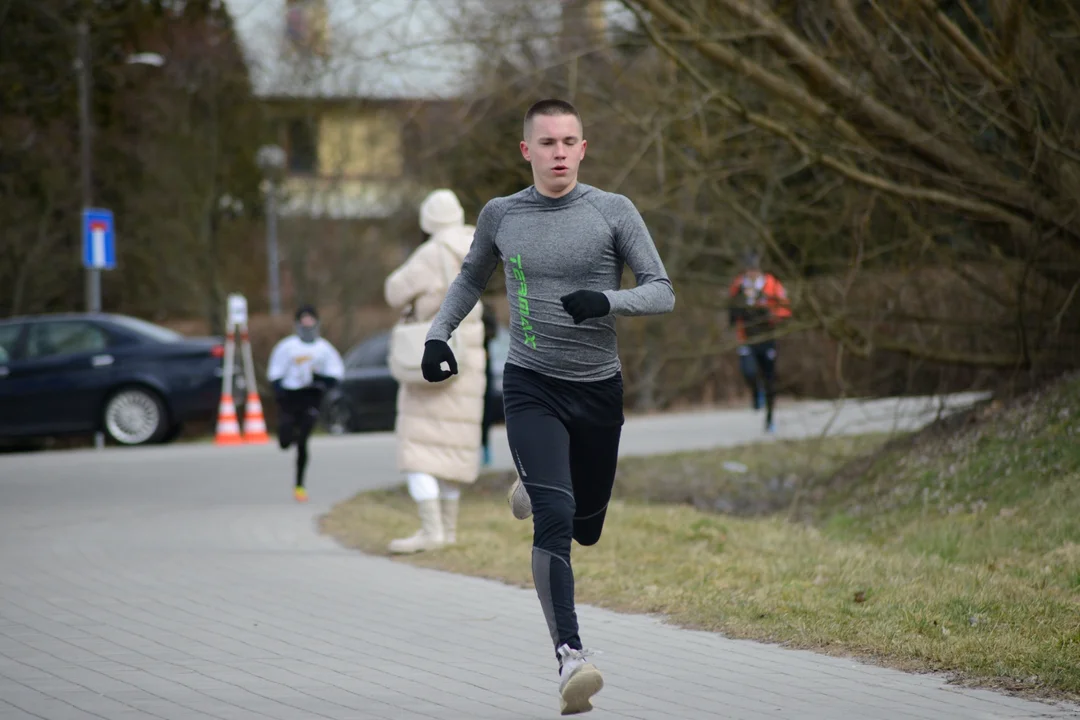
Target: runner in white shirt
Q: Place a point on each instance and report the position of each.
(302, 368)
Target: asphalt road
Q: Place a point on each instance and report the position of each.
(341, 466)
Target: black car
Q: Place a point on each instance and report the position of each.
(90, 372)
(366, 399)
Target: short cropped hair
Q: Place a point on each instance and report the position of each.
(550, 107)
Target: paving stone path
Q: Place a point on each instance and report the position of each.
(182, 583)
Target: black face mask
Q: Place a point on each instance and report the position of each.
(307, 333)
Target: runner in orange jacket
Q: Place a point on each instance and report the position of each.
(758, 303)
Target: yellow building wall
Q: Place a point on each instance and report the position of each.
(360, 143)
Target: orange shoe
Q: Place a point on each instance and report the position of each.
(300, 494)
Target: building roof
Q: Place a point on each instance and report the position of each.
(391, 49)
(378, 49)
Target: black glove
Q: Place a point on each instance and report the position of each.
(436, 352)
(323, 382)
(585, 304)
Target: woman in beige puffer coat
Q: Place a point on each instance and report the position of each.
(438, 425)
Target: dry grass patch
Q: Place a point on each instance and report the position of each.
(955, 553)
(769, 579)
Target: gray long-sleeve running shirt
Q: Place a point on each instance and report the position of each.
(551, 247)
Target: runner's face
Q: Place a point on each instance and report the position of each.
(555, 148)
(307, 328)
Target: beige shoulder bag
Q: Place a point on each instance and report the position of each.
(408, 335)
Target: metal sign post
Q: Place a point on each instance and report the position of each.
(99, 250)
(99, 253)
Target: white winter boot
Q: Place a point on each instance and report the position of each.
(430, 535)
(449, 519)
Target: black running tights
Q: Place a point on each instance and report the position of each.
(299, 411)
(564, 437)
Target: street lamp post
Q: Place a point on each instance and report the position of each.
(82, 64)
(271, 160)
(93, 275)
(145, 58)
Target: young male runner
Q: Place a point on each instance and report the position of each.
(563, 245)
(302, 367)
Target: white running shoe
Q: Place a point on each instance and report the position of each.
(579, 680)
(518, 497)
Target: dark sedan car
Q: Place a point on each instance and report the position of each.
(366, 400)
(89, 372)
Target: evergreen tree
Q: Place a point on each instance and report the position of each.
(172, 155)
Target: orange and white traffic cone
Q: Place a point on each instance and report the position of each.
(254, 422)
(228, 430)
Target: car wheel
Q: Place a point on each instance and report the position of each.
(135, 416)
(339, 418)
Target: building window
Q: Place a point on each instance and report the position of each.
(303, 146)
